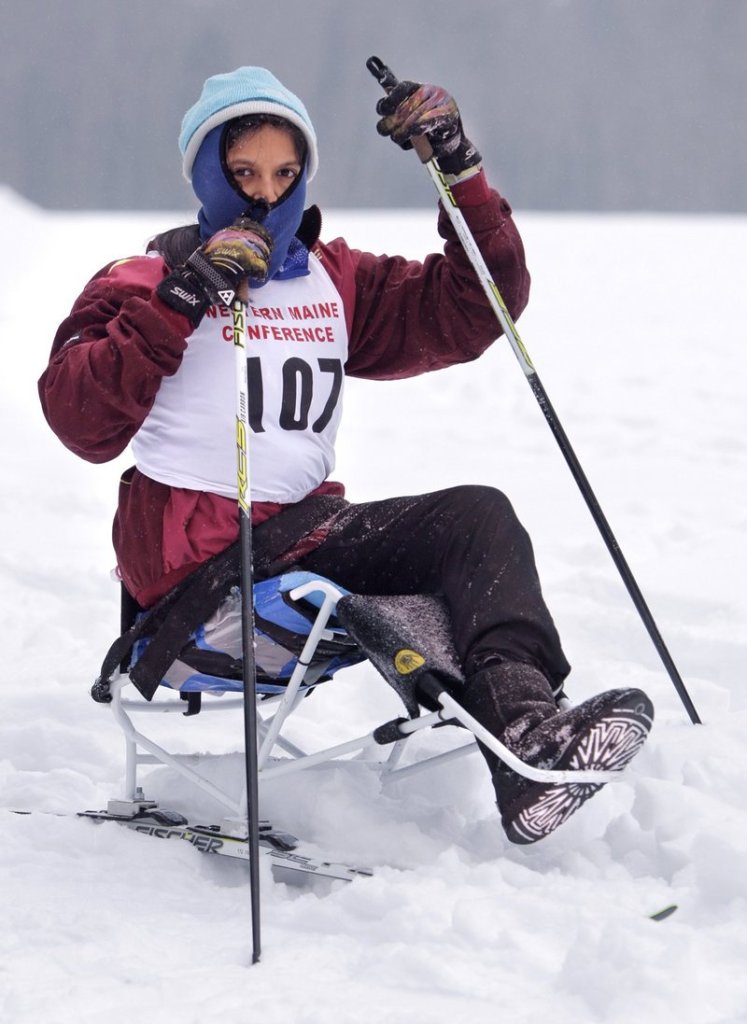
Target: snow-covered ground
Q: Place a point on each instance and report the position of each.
(637, 328)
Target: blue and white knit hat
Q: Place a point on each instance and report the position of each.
(248, 90)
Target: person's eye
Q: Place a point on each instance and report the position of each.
(288, 172)
(242, 172)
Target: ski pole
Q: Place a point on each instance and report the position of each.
(238, 310)
(422, 147)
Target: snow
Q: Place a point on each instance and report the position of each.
(636, 325)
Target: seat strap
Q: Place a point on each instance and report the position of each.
(172, 620)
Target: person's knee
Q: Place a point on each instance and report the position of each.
(480, 501)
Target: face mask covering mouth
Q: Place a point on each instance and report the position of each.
(223, 203)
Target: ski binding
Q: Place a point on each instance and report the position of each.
(286, 852)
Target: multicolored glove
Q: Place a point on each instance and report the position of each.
(215, 272)
(412, 109)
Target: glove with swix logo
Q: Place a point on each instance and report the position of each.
(214, 273)
(412, 109)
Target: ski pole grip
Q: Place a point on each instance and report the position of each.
(388, 80)
(383, 75)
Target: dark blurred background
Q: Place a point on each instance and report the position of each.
(576, 104)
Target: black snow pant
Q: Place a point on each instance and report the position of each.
(464, 544)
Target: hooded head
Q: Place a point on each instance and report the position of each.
(246, 91)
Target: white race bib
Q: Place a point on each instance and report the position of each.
(297, 346)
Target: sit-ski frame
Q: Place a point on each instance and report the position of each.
(141, 750)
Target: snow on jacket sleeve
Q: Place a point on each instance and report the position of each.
(411, 317)
(109, 357)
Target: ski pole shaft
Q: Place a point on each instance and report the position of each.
(388, 81)
(247, 618)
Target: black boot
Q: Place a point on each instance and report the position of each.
(514, 701)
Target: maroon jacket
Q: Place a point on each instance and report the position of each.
(110, 354)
